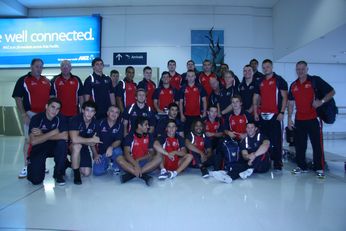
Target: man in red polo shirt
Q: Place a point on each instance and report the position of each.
(139, 157)
(193, 102)
(235, 125)
(272, 92)
(206, 75)
(31, 93)
(68, 89)
(172, 148)
(176, 78)
(164, 95)
(148, 85)
(125, 91)
(302, 95)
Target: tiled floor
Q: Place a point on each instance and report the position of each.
(263, 202)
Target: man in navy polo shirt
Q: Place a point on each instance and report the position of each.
(164, 94)
(139, 108)
(98, 87)
(139, 157)
(111, 133)
(258, 76)
(148, 85)
(82, 131)
(125, 91)
(247, 88)
(69, 89)
(160, 128)
(215, 96)
(224, 68)
(254, 152)
(48, 137)
(272, 92)
(227, 93)
(302, 95)
(31, 93)
(193, 101)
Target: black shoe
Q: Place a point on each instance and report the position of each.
(77, 179)
(60, 180)
(148, 179)
(205, 172)
(126, 177)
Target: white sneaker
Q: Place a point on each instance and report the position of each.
(221, 176)
(246, 173)
(172, 174)
(23, 173)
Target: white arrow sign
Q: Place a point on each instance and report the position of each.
(119, 57)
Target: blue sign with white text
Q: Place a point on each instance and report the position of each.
(51, 39)
(130, 58)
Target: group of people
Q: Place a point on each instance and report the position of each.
(196, 119)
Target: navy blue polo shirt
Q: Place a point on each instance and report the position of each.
(41, 121)
(251, 144)
(160, 128)
(226, 95)
(99, 88)
(246, 93)
(109, 134)
(77, 123)
(214, 98)
(258, 76)
(132, 112)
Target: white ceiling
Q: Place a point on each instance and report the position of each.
(330, 48)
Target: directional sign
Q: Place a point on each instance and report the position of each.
(130, 58)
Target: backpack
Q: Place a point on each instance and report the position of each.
(230, 149)
(327, 112)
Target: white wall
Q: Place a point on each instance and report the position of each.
(164, 32)
(299, 22)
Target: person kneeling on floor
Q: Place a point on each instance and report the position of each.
(172, 147)
(111, 132)
(48, 138)
(254, 152)
(139, 157)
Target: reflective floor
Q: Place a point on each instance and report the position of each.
(271, 201)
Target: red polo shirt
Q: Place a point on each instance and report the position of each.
(269, 94)
(165, 96)
(237, 123)
(204, 80)
(175, 81)
(192, 101)
(303, 94)
(34, 92)
(67, 90)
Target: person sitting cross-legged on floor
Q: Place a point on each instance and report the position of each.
(172, 148)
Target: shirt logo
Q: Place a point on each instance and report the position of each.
(89, 131)
(295, 88)
(104, 129)
(145, 141)
(61, 83)
(271, 82)
(71, 82)
(33, 83)
(308, 85)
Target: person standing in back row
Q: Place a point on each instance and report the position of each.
(31, 93)
(98, 88)
(271, 92)
(302, 95)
